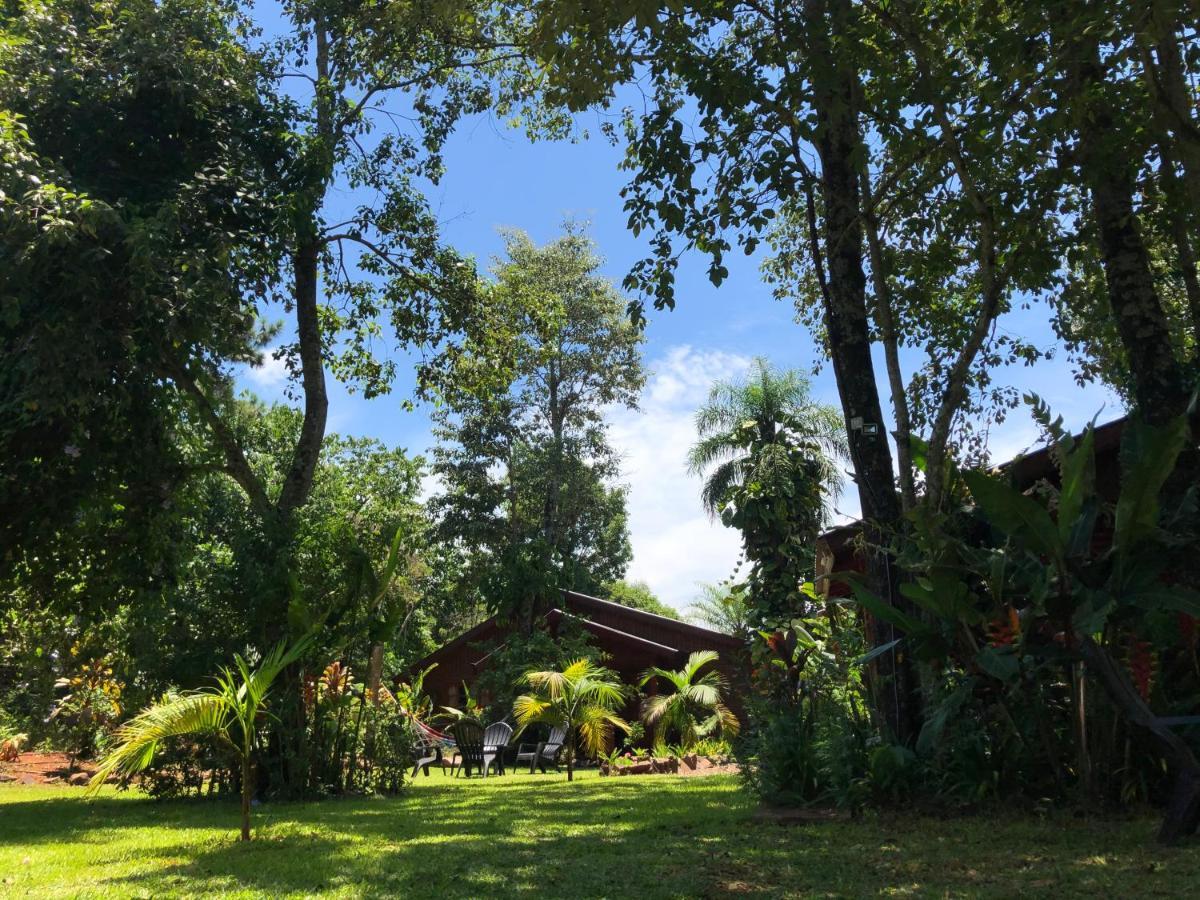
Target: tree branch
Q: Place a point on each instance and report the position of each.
(237, 466)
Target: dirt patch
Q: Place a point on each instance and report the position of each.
(704, 767)
(687, 767)
(46, 768)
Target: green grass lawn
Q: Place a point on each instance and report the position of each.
(540, 837)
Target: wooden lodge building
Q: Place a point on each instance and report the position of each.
(635, 640)
(632, 640)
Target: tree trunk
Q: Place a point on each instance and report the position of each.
(298, 482)
(247, 794)
(1177, 212)
(551, 512)
(838, 142)
(1107, 165)
(885, 319)
(1083, 754)
(1171, 94)
(990, 277)
(570, 748)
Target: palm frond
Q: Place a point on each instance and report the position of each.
(705, 695)
(722, 720)
(729, 722)
(528, 709)
(721, 482)
(138, 739)
(697, 661)
(555, 684)
(654, 708)
(600, 692)
(596, 724)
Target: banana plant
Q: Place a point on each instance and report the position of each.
(1088, 589)
(229, 712)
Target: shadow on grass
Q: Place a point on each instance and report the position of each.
(638, 838)
(522, 840)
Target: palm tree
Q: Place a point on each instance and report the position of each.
(696, 709)
(580, 699)
(719, 607)
(229, 711)
(749, 427)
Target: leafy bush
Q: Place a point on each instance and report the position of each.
(89, 710)
(808, 711)
(184, 766)
(716, 749)
(499, 684)
(1045, 619)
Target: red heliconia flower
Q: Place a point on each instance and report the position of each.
(1005, 629)
(1141, 667)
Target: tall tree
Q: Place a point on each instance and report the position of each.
(166, 114)
(771, 456)
(524, 454)
(637, 594)
(1107, 157)
(845, 116)
(137, 225)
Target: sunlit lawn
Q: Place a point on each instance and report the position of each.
(537, 836)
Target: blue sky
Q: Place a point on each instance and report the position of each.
(496, 178)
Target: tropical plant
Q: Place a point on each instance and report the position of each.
(771, 454)
(471, 709)
(695, 709)
(720, 607)
(581, 698)
(511, 657)
(412, 697)
(231, 712)
(808, 721)
(523, 450)
(770, 411)
(1027, 596)
(715, 749)
(91, 706)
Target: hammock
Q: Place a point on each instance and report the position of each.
(431, 734)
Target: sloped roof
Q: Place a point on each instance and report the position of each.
(650, 633)
(1025, 469)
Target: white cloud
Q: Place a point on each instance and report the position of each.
(675, 544)
(271, 374)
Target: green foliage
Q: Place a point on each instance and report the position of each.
(638, 595)
(1014, 591)
(809, 728)
(695, 709)
(523, 455)
(771, 456)
(361, 736)
(137, 178)
(720, 607)
(229, 713)
(580, 699)
(91, 705)
(498, 685)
